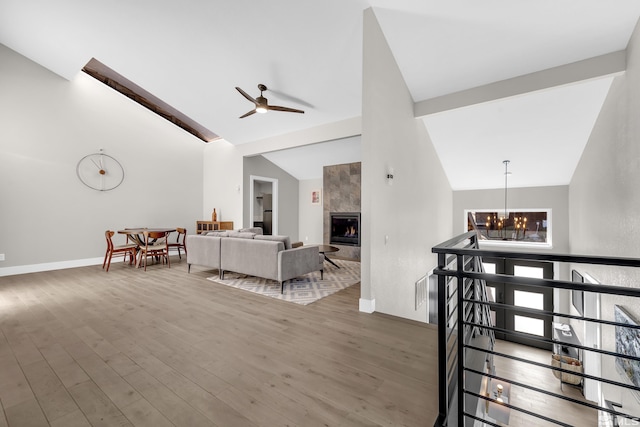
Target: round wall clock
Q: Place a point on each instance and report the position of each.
(100, 171)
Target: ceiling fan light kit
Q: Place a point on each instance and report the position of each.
(262, 104)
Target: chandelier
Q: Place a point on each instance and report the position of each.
(506, 225)
(528, 225)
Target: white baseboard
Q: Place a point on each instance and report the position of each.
(59, 265)
(367, 305)
(49, 266)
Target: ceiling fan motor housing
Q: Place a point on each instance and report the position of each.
(262, 106)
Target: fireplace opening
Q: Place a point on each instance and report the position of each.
(345, 228)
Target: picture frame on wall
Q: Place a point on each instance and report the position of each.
(316, 197)
(627, 343)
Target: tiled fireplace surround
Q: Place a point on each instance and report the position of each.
(341, 188)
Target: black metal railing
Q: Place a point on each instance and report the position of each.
(466, 335)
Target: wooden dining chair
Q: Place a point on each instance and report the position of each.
(180, 242)
(156, 245)
(130, 249)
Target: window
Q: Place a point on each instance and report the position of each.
(523, 227)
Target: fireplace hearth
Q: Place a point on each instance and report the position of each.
(345, 228)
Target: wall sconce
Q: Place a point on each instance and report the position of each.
(390, 176)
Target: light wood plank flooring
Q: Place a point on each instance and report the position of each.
(83, 347)
(542, 378)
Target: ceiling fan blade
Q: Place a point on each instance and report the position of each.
(287, 109)
(289, 98)
(248, 114)
(246, 95)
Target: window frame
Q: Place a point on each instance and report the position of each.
(512, 243)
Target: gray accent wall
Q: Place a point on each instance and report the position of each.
(342, 193)
(604, 199)
(287, 194)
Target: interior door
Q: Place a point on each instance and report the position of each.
(522, 296)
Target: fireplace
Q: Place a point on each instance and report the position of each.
(345, 228)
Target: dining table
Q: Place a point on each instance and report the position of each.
(136, 235)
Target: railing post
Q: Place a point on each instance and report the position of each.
(443, 400)
(461, 335)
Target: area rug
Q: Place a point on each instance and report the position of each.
(302, 290)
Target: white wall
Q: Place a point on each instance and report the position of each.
(402, 222)
(223, 187)
(48, 218)
(310, 217)
(604, 200)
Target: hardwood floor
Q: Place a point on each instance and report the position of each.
(540, 403)
(83, 347)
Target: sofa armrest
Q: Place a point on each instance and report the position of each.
(298, 261)
(203, 250)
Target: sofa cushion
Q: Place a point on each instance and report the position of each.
(255, 230)
(250, 256)
(283, 239)
(241, 234)
(217, 233)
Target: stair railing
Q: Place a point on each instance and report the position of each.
(465, 331)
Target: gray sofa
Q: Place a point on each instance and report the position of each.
(254, 254)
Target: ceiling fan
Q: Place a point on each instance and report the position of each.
(261, 103)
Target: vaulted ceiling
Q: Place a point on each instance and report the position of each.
(192, 54)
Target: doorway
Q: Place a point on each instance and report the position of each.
(521, 296)
(263, 203)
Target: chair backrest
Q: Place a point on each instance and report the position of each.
(182, 233)
(153, 236)
(108, 235)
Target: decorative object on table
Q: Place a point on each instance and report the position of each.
(214, 216)
(100, 171)
(130, 249)
(302, 290)
(262, 105)
(180, 241)
(316, 197)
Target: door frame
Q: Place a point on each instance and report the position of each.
(274, 210)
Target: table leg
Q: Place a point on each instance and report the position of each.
(330, 262)
(139, 259)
